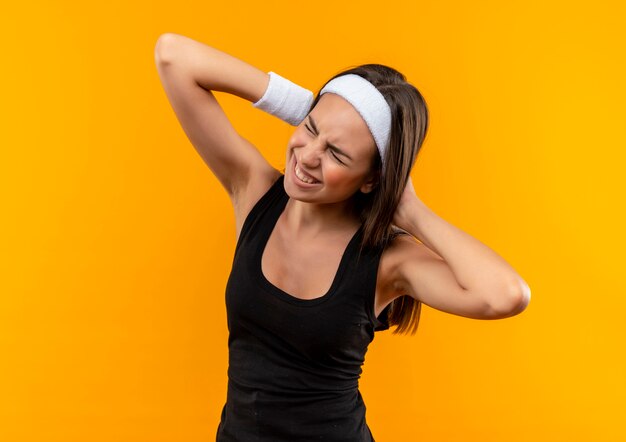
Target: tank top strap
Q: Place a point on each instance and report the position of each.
(381, 322)
(364, 269)
(272, 200)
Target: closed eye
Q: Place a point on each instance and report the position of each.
(333, 153)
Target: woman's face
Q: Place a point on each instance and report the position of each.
(315, 147)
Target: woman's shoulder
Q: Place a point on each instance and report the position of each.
(258, 186)
(400, 247)
(401, 243)
(389, 265)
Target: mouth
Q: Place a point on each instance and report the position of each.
(302, 176)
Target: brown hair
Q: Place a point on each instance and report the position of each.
(409, 123)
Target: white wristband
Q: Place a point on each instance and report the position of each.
(285, 100)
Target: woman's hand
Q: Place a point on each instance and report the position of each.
(405, 212)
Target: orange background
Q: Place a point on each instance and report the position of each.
(117, 240)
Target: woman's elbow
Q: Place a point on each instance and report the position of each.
(519, 300)
(162, 51)
(513, 304)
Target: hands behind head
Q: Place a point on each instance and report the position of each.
(405, 213)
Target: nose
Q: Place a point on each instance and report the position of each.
(310, 154)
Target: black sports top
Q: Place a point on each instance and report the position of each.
(294, 364)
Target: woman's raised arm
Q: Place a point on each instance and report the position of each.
(189, 71)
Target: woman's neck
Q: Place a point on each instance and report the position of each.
(310, 219)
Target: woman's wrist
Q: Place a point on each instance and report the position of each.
(285, 100)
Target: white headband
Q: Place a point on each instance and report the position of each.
(369, 102)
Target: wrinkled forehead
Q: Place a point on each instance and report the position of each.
(342, 123)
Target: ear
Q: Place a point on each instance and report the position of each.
(370, 183)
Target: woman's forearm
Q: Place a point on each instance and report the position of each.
(476, 266)
(211, 68)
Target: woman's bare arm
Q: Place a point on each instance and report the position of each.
(189, 71)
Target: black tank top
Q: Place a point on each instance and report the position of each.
(294, 364)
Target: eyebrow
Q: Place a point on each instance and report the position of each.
(340, 151)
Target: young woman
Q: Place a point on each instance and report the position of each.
(331, 248)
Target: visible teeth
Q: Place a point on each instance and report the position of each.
(304, 177)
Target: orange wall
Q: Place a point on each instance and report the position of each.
(117, 240)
